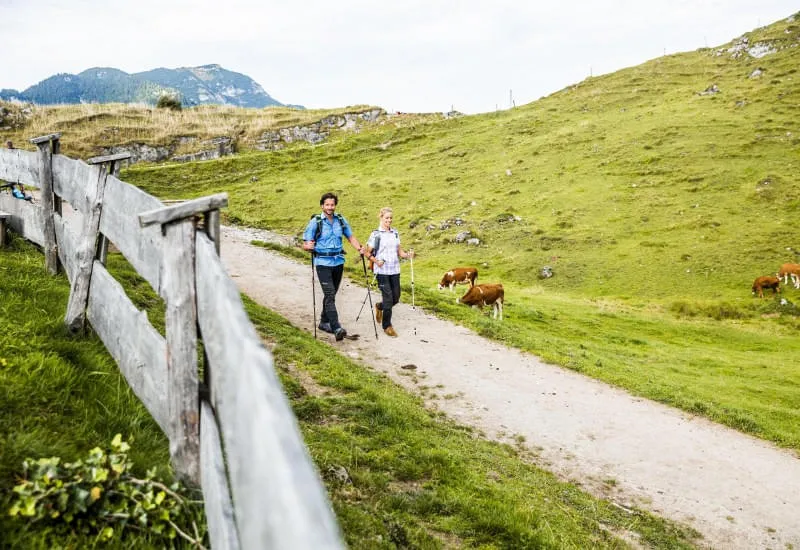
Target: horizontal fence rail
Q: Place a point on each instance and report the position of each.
(241, 443)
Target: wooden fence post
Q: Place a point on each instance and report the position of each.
(46, 146)
(212, 228)
(114, 163)
(178, 289)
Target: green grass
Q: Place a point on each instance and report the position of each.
(655, 206)
(60, 395)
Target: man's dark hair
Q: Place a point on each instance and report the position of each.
(327, 196)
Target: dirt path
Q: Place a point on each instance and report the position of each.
(738, 491)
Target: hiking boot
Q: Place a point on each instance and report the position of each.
(378, 313)
(325, 327)
(340, 334)
(390, 331)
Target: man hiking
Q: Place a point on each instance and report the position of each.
(323, 237)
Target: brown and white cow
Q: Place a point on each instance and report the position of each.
(766, 281)
(489, 294)
(458, 276)
(788, 271)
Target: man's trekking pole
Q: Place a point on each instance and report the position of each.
(314, 295)
(366, 278)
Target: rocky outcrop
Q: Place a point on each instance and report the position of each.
(316, 132)
(222, 146)
(141, 152)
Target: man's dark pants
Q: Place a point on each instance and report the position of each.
(329, 280)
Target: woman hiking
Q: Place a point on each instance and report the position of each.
(384, 254)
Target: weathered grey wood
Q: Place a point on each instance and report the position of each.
(212, 224)
(74, 181)
(56, 149)
(86, 250)
(26, 220)
(67, 249)
(177, 290)
(45, 139)
(18, 166)
(280, 500)
(102, 248)
(114, 166)
(108, 158)
(183, 210)
(3, 217)
(46, 199)
(216, 494)
(120, 223)
(139, 350)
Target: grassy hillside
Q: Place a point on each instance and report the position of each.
(631, 185)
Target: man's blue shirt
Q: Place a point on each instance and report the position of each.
(329, 241)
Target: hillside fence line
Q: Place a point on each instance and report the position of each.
(231, 430)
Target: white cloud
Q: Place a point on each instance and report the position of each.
(411, 56)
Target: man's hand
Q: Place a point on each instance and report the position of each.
(308, 245)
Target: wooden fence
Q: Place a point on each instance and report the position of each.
(233, 432)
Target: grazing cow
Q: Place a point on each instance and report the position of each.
(767, 281)
(788, 271)
(458, 276)
(485, 295)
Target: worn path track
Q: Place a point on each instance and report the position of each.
(738, 491)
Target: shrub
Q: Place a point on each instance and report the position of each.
(169, 102)
(99, 495)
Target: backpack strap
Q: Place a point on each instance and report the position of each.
(319, 217)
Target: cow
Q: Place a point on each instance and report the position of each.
(766, 281)
(458, 276)
(788, 271)
(489, 294)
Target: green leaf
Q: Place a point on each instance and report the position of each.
(29, 506)
(107, 533)
(98, 474)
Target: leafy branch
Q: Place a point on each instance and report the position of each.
(100, 495)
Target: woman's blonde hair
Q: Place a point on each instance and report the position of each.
(384, 210)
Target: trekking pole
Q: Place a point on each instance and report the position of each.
(412, 279)
(314, 295)
(413, 305)
(365, 300)
(369, 296)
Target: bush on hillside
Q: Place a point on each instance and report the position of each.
(169, 102)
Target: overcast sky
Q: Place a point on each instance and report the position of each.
(410, 55)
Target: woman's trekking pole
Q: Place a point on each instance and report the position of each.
(371, 309)
(314, 295)
(413, 305)
(369, 287)
(412, 280)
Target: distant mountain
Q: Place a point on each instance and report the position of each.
(193, 85)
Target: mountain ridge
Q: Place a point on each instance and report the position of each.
(200, 85)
